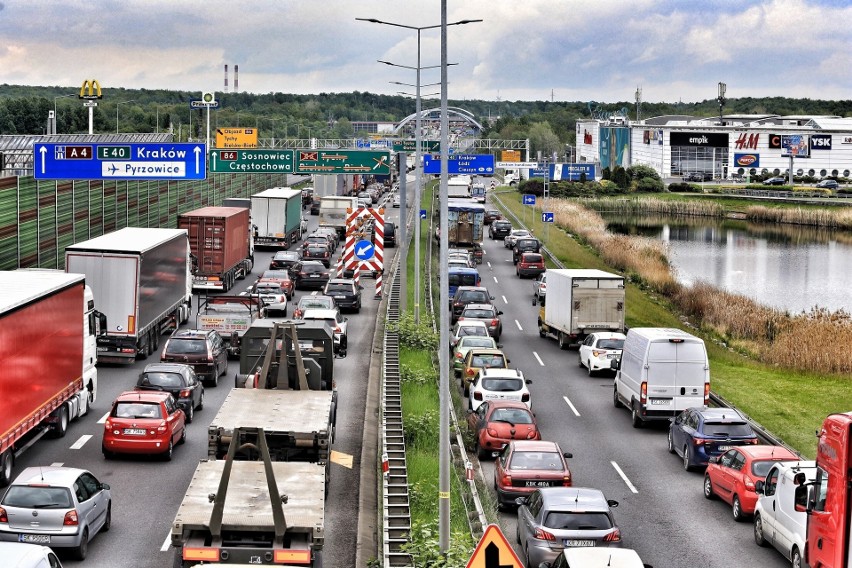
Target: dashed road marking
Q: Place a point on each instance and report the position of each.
(540, 362)
(103, 418)
(574, 410)
(517, 323)
(488, 263)
(57, 464)
(624, 477)
(505, 301)
(495, 279)
(167, 544)
(81, 442)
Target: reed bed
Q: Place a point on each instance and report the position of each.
(646, 205)
(816, 341)
(833, 219)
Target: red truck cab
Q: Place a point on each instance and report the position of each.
(829, 498)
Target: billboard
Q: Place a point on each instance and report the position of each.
(614, 147)
(564, 172)
(747, 160)
(796, 145)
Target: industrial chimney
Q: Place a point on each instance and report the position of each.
(236, 78)
(226, 77)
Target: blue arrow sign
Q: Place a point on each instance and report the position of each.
(473, 164)
(547, 217)
(422, 213)
(364, 250)
(529, 199)
(120, 161)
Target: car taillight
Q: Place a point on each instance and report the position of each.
(643, 394)
(532, 435)
(525, 397)
(70, 519)
(162, 427)
(699, 441)
(543, 287)
(566, 481)
(543, 535)
(459, 356)
(477, 396)
(492, 432)
(752, 441)
(749, 484)
(494, 322)
(185, 393)
(325, 255)
(706, 394)
(4, 518)
(597, 353)
(469, 372)
(107, 425)
(461, 318)
(337, 329)
(614, 536)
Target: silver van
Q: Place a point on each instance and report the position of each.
(776, 520)
(662, 372)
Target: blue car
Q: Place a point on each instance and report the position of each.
(697, 434)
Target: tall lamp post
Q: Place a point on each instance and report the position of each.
(721, 98)
(116, 111)
(55, 121)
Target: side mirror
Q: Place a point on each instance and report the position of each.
(360, 287)
(568, 455)
(499, 313)
(345, 319)
(612, 502)
(492, 297)
(507, 360)
(500, 346)
(714, 459)
(615, 364)
(759, 486)
(799, 479)
(521, 500)
(105, 486)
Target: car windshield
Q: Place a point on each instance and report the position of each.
(473, 330)
(577, 521)
(269, 289)
(532, 258)
(727, 429)
(339, 288)
(286, 256)
(548, 461)
(512, 415)
(309, 302)
(527, 243)
(312, 268)
(330, 322)
(456, 279)
(165, 380)
(473, 341)
(502, 385)
(137, 410)
(477, 313)
(179, 346)
(28, 497)
(474, 297)
(488, 361)
(611, 344)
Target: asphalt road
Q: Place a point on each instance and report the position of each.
(147, 492)
(662, 512)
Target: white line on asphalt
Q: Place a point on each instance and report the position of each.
(505, 301)
(167, 544)
(517, 323)
(56, 464)
(81, 442)
(488, 263)
(314, 293)
(103, 418)
(574, 410)
(495, 279)
(540, 362)
(624, 477)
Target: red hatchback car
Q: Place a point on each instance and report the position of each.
(732, 475)
(530, 264)
(496, 423)
(144, 423)
(526, 465)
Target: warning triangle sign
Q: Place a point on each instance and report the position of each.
(494, 551)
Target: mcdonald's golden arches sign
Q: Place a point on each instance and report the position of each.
(90, 90)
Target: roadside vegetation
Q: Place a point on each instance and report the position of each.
(786, 371)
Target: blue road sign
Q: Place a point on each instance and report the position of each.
(422, 213)
(529, 199)
(120, 161)
(472, 164)
(364, 250)
(547, 217)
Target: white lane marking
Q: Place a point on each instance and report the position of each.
(81, 442)
(488, 263)
(505, 301)
(517, 323)
(103, 418)
(540, 362)
(167, 544)
(574, 410)
(56, 464)
(495, 279)
(624, 477)
(314, 293)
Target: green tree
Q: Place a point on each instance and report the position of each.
(543, 139)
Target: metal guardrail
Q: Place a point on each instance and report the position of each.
(717, 400)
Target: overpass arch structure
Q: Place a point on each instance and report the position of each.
(434, 115)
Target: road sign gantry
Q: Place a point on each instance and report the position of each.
(120, 161)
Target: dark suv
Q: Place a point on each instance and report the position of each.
(180, 380)
(309, 274)
(203, 350)
(468, 295)
(390, 235)
(499, 229)
(319, 252)
(346, 293)
(524, 245)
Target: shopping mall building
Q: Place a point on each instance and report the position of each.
(741, 146)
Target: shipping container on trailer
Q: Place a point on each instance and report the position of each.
(277, 217)
(141, 281)
(220, 241)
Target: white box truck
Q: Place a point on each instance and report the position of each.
(588, 301)
(334, 210)
(662, 372)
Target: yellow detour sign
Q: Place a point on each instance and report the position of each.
(494, 551)
(236, 137)
(511, 156)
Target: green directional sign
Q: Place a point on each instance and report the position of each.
(411, 146)
(364, 162)
(254, 161)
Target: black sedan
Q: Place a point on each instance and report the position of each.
(284, 259)
(777, 180)
(319, 252)
(175, 378)
(309, 274)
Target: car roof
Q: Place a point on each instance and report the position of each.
(286, 253)
(491, 373)
(574, 497)
(341, 281)
(480, 307)
(190, 334)
(534, 446)
(471, 288)
(603, 557)
(765, 451)
(508, 404)
(143, 396)
(609, 335)
(318, 296)
(313, 262)
(320, 313)
(716, 414)
(166, 368)
(54, 475)
(471, 323)
(464, 270)
(22, 554)
(486, 350)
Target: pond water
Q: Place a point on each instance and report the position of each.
(784, 266)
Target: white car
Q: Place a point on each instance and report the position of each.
(334, 320)
(464, 328)
(22, 555)
(540, 289)
(273, 297)
(458, 262)
(513, 237)
(498, 384)
(599, 350)
(396, 200)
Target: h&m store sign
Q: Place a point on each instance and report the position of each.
(703, 139)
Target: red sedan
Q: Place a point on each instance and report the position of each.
(144, 423)
(527, 465)
(496, 423)
(732, 475)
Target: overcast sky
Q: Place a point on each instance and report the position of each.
(567, 50)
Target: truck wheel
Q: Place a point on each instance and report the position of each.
(563, 341)
(541, 332)
(61, 426)
(796, 558)
(7, 460)
(615, 402)
(635, 418)
(144, 347)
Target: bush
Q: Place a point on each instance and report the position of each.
(683, 187)
(606, 173)
(648, 185)
(413, 335)
(619, 176)
(640, 171)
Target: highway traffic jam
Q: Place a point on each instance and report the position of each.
(599, 441)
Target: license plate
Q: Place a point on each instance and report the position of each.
(577, 543)
(34, 538)
(135, 431)
(102, 349)
(314, 275)
(612, 356)
(723, 448)
(536, 484)
(660, 401)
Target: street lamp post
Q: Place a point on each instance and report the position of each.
(55, 121)
(116, 111)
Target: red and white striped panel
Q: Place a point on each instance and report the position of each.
(348, 259)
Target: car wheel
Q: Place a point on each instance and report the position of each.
(635, 418)
(759, 539)
(108, 519)
(201, 401)
(671, 442)
(737, 509)
(615, 402)
(82, 549)
(589, 367)
(580, 361)
(708, 488)
(182, 436)
(687, 458)
(214, 381)
(167, 455)
(108, 455)
(796, 558)
(190, 414)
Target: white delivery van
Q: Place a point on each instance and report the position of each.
(776, 520)
(662, 372)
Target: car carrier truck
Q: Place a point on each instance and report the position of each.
(48, 327)
(141, 281)
(588, 301)
(277, 217)
(220, 241)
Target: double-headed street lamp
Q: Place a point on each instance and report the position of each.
(116, 111)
